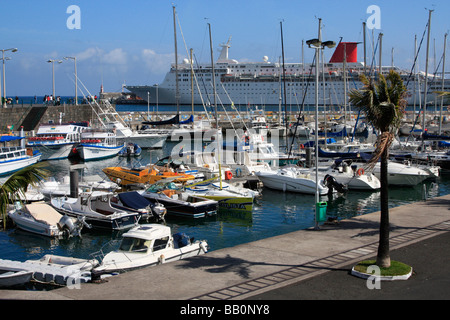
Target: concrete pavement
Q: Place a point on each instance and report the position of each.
(269, 268)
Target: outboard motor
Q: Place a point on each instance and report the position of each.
(73, 229)
(332, 184)
(159, 211)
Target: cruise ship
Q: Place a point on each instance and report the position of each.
(261, 83)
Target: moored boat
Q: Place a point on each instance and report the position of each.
(55, 141)
(41, 218)
(180, 203)
(96, 208)
(149, 245)
(143, 175)
(291, 179)
(97, 144)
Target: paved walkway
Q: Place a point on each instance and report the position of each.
(260, 269)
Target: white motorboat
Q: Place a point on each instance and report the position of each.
(300, 130)
(96, 208)
(349, 176)
(145, 139)
(149, 245)
(54, 188)
(291, 179)
(97, 144)
(55, 141)
(400, 174)
(41, 218)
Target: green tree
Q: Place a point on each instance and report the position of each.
(383, 102)
(17, 184)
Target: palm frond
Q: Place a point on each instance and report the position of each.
(383, 143)
(17, 184)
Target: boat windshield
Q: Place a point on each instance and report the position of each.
(134, 245)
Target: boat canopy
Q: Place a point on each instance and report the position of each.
(174, 120)
(133, 200)
(148, 232)
(9, 138)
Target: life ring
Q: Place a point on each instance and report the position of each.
(228, 175)
(360, 172)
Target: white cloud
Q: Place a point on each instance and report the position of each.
(116, 57)
(155, 62)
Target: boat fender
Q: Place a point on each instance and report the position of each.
(360, 172)
(161, 259)
(238, 172)
(203, 247)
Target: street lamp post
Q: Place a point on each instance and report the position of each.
(317, 45)
(76, 78)
(53, 74)
(4, 81)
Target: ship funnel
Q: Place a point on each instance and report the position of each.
(224, 53)
(351, 50)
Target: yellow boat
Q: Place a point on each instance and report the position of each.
(145, 175)
(228, 197)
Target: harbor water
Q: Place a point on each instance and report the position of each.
(274, 213)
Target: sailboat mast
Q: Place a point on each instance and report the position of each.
(443, 82)
(192, 87)
(215, 106)
(284, 87)
(177, 93)
(426, 77)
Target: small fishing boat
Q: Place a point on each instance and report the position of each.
(97, 144)
(149, 245)
(41, 218)
(96, 208)
(134, 202)
(180, 203)
(130, 150)
(143, 175)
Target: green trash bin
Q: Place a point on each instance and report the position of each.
(321, 211)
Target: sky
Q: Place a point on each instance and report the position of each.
(132, 42)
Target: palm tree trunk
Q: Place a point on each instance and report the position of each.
(383, 258)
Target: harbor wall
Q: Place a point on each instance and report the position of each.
(15, 116)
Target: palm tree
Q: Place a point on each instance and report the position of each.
(17, 185)
(383, 104)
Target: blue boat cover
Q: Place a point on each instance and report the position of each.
(9, 138)
(133, 200)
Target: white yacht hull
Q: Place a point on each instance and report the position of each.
(277, 181)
